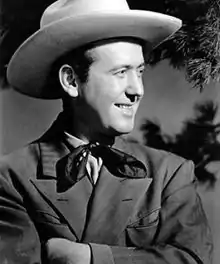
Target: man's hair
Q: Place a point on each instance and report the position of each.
(80, 59)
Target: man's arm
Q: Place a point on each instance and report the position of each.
(63, 251)
(19, 241)
(183, 235)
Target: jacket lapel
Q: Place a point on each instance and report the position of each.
(71, 205)
(115, 201)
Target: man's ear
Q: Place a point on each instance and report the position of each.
(68, 80)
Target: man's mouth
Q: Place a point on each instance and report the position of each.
(126, 109)
(124, 106)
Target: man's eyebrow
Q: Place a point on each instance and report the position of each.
(119, 66)
(127, 66)
(143, 64)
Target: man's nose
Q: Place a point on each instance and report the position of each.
(135, 85)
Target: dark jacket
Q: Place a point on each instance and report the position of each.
(158, 219)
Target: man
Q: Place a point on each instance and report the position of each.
(81, 194)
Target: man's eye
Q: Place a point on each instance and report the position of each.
(141, 71)
(121, 73)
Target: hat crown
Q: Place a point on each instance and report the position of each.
(68, 8)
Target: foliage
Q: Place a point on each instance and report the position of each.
(196, 46)
(198, 140)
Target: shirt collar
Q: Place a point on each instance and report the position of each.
(72, 141)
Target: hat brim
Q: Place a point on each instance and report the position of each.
(30, 65)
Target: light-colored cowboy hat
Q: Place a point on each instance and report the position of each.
(68, 24)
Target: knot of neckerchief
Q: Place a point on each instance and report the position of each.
(73, 166)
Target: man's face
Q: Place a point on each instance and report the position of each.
(114, 88)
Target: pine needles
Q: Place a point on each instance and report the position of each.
(196, 46)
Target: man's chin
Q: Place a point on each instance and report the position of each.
(123, 130)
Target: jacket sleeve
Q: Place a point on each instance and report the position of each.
(182, 236)
(19, 241)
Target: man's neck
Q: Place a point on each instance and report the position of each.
(84, 132)
(102, 139)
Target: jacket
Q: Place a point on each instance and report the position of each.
(157, 219)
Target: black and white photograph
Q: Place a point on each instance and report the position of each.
(109, 132)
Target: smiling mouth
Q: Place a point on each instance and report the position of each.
(126, 109)
(124, 106)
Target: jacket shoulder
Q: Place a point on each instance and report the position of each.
(20, 161)
(155, 157)
(162, 165)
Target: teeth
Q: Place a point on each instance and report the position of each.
(123, 106)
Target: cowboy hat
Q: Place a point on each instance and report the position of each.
(68, 24)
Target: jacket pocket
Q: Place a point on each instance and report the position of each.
(141, 233)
